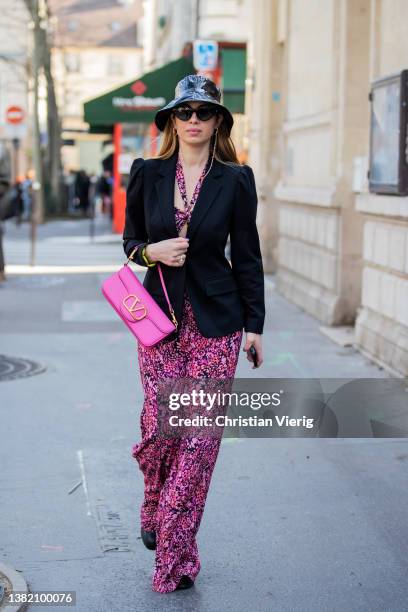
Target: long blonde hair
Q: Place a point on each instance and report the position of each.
(224, 152)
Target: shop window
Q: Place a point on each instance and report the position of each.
(388, 161)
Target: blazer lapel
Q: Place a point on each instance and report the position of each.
(209, 190)
(165, 192)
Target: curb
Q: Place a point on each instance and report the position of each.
(11, 581)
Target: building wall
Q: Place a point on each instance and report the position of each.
(99, 69)
(167, 27)
(225, 19)
(382, 324)
(81, 74)
(264, 100)
(392, 44)
(184, 21)
(14, 51)
(96, 48)
(339, 252)
(308, 223)
(319, 57)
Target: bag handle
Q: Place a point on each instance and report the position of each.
(130, 258)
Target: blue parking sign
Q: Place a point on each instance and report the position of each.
(205, 56)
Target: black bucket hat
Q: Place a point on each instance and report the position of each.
(194, 88)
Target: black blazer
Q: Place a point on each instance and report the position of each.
(223, 299)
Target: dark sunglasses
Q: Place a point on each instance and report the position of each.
(203, 113)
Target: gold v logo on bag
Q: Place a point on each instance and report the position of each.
(136, 308)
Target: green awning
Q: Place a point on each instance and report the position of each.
(233, 81)
(139, 100)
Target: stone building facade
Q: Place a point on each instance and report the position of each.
(339, 251)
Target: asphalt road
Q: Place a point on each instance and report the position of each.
(290, 524)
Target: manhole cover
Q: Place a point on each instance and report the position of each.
(18, 367)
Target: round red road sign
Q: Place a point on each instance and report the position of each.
(14, 114)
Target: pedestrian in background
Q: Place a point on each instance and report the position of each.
(3, 189)
(181, 207)
(82, 185)
(27, 193)
(11, 206)
(70, 180)
(104, 191)
(5, 178)
(19, 199)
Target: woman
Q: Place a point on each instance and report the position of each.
(181, 208)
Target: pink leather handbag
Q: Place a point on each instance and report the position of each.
(136, 307)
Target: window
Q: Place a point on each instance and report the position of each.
(115, 65)
(72, 103)
(388, 171)
(72, 62)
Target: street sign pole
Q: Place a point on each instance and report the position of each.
(34, 220)
(16, 147)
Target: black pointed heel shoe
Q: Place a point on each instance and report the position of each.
(149, 539)
(185, 583)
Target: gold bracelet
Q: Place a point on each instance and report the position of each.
(149, 263)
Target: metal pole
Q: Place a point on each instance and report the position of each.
(34, 216)
(16, 147)
(37, 215)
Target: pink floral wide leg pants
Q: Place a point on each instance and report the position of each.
(177, 471)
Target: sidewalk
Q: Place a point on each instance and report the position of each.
(290, 524)
(298, 347)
